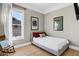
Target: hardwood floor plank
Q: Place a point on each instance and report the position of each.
(32, 50)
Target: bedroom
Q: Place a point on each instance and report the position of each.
(44, 18)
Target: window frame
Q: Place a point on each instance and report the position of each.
(22, 24)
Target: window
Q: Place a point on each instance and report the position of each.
(17, 23)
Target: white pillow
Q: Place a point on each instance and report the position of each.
(42, 35)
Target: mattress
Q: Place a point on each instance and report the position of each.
(52, 43)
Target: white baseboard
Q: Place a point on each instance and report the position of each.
(74, 47)
(22, 45)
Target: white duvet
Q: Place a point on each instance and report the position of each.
(51, 42)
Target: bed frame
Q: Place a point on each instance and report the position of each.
(36, 34)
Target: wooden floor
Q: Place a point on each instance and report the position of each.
(32, 50)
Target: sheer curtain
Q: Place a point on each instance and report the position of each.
(6, 18)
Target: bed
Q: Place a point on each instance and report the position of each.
(53, 45)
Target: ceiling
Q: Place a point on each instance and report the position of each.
(44, 7)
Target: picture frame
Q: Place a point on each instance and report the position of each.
(34, 23)
(76, 7)
(58, 23)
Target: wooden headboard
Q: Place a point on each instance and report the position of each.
(2, 37)
(36, 34)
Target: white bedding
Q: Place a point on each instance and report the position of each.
(51, 42)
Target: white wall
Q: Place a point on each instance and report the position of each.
(70, 24)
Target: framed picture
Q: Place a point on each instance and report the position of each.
(76, 7)
(58, 23)
(34, 23)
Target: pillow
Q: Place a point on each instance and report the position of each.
(42, 35)
(4, 43)
(37, 34)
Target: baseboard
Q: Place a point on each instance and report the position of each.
(22, 45)
(74, 47)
